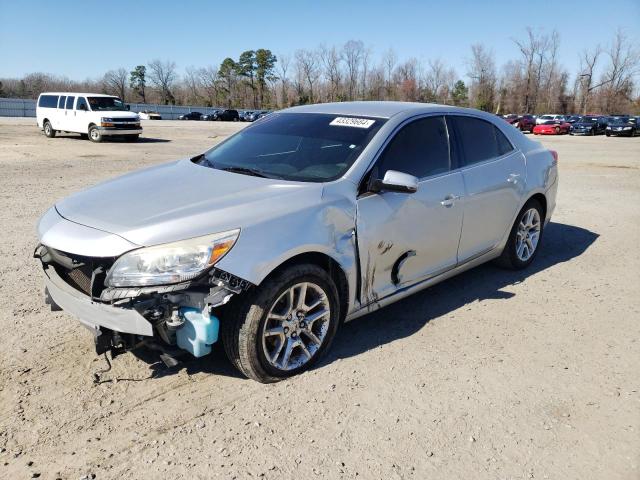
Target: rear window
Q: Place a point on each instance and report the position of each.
(48, 101)
(478, 139)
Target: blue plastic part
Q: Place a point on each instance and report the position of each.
(199, 331)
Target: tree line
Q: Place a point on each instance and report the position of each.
(533, 82)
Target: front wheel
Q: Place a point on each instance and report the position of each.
(95, 135)
(49, 132)
(524, 239)
(284, 326)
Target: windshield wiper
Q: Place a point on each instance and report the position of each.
(245, 171)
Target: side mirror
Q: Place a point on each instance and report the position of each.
(395, 181)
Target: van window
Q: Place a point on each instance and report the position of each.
(477, 138)
(48, 101)
(81, 101)
(61, 101)
(420, 149)
(70, 103)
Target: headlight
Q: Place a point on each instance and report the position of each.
(627, 128)
(106, 119)
(170, 263)
(608, 128)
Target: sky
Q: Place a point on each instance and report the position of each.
(83, 39)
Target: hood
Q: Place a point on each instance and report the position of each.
(117, 114)
(181, 200)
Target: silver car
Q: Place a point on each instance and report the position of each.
(312, 216)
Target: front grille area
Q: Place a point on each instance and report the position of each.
(78, 271)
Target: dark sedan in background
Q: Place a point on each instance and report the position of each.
(589, 125)
(191, 116)
(622, 126)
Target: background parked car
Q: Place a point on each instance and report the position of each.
(243, 115)
(589, 125)
(229, 116)
(573, 118)
(211, 116)
(149, 115)
(552, 127)
(545, 118)
(526, 123)
(191, 116)
(622, 126)
(511, 119)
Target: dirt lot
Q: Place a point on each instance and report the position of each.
(493, 374)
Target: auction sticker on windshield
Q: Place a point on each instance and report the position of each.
(352, 122)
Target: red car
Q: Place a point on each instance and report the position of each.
(551, 127)
(526, 123)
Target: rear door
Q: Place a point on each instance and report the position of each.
(405, 238)
(494, 177)
(59, 115)
(68, 117)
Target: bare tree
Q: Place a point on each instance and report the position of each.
(352, 52)
(624, 65)
(331, 58)
(192, 82)
(366, 59)
(438, 81)
(282, 69)
(115, 82)
(209, 81)
(307, 66)
(482, 72)
(588, 63)
(389, 61)
(163, 76)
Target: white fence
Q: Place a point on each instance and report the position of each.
(17, 107)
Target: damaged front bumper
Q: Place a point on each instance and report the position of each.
(181, 316)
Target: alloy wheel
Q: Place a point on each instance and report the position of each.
(528, 234)
(296, 326)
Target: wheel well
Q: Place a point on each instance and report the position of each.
(543, 201)
(45, 120)
(329, 265)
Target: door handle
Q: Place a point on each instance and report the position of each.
(513, 178)
(449, 200)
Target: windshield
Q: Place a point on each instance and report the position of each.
(106, 103)
(546, 117)
(551, 122)
(589, 120)
(620, 121)
(307, 147)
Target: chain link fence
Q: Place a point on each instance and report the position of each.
(17, 107)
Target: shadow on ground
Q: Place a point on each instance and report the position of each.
(107, 139)
(561, 243)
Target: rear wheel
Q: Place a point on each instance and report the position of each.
(94, 134)
(283, 326)
(557, 130)
(524, 239)
(48, 129)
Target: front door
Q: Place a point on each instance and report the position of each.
(404, 238)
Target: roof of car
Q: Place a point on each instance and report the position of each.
(79, 94)
(374, 109)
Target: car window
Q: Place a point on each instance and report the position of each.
(70, 101)
(81, 101)
(308, 147)
(420, 148)
(48, 101)
(504, 145)
(477, 138)
(61, 102)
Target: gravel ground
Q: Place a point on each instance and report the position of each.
(493, 374)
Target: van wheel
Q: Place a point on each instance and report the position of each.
(48, 130)
(282, 327)
(95, 135)
(524, 240)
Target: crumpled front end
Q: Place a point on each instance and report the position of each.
(168, 318)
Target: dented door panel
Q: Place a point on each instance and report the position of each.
(405, 238)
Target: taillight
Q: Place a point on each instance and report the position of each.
(555, 155)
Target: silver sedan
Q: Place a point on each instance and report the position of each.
(308, 217)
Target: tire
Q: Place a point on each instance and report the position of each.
(607, 134)
(244, 336)
(95, 135)
(557, 131)
(509, 257)
(48, 130)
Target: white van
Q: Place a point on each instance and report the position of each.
(89, 114)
